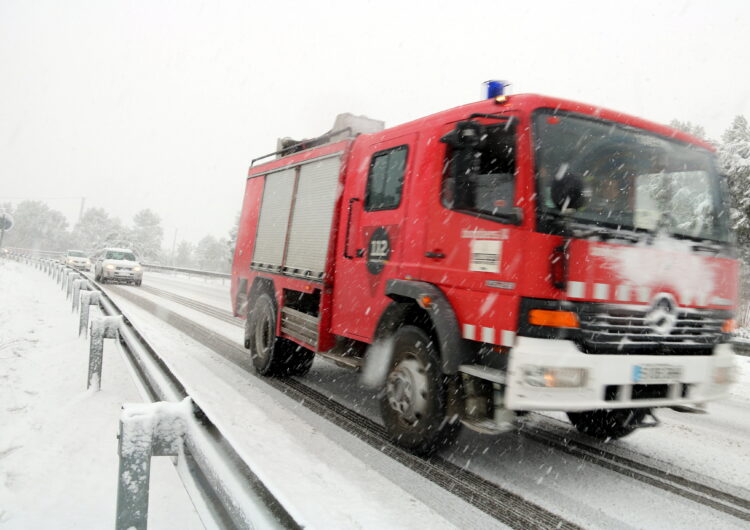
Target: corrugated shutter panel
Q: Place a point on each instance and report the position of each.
(313, 211)
(274, 218)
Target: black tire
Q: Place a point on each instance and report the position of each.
(607, 424)
(272, 355)
(415, 398)
(137, 283)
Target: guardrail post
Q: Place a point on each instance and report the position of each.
(101, 328)
(72, 278)
(66, 276)
(78, 287)
(154, 429)
(88, 298)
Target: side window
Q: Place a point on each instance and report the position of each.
(489, 188)
(385, 180)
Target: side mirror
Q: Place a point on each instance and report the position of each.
(567, 192)
(465, 140)
(467, 135)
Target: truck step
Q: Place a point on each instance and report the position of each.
(346, 361)
(299, 325)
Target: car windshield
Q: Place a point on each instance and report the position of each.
(631, 179)
(121, 255)
(76, 254)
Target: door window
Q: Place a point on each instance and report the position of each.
(385, 181)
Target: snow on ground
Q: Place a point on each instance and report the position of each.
(212, 291)
(58, 446)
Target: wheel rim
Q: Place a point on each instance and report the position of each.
(407, 390)
(265, 333)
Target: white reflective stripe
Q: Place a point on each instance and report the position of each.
(470, 331)
(601, 291)
(623, 293)
(488, 335)
(644, 294)
(576, 289)
(507, 338)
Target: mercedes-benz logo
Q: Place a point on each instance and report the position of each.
(662, 316)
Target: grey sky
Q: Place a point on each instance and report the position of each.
(161, 105)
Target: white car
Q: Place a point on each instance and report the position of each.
(117, 265)
(77, 259)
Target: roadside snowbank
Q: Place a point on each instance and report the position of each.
(58, 446)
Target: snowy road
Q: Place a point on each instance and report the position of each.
(712, 447)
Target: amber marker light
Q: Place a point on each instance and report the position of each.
(501, 99)
(553, 319)
(729, 326)
(425, 301)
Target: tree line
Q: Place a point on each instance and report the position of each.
(37, 226)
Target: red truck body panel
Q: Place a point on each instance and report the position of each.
(428, 242)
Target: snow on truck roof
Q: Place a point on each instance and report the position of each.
(525, 102)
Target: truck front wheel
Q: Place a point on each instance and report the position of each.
(415, 399)
(607, 423)
(273, 355)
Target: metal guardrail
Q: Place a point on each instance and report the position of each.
(196, 272)
(54, 254)
(231, 494)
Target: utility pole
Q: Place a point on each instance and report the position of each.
(80, 212)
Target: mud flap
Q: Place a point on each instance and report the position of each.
(643, 423)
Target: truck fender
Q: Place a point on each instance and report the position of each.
(453, 349)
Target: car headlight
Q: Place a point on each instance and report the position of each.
(109, 267)
(555, 377)
(724, 375)
(136, 269)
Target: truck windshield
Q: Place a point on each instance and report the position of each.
(116, 254)
(76, 254)
(632, 179)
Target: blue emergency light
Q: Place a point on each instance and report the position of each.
(493, 88)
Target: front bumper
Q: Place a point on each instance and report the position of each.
(609, 381)
(122, 275)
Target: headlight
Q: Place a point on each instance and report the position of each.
(555, 377)
(136, 269)
(723, 375)
(109, 267)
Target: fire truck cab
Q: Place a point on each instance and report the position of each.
(516, 254)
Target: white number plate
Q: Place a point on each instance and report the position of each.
(650, 373)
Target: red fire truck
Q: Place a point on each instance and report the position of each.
(517, 254)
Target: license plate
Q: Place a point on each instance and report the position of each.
(650, 373)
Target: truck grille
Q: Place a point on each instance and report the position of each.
(626, 329)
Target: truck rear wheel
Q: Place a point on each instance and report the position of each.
(273, 355)
(607, 423)
(415, 400)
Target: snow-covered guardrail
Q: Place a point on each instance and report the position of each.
(225, 491)
(196, 272)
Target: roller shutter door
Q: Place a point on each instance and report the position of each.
(310, 229)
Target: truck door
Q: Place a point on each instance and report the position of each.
(473, 244)
(374, 214)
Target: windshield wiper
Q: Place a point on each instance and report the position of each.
(604, 233)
